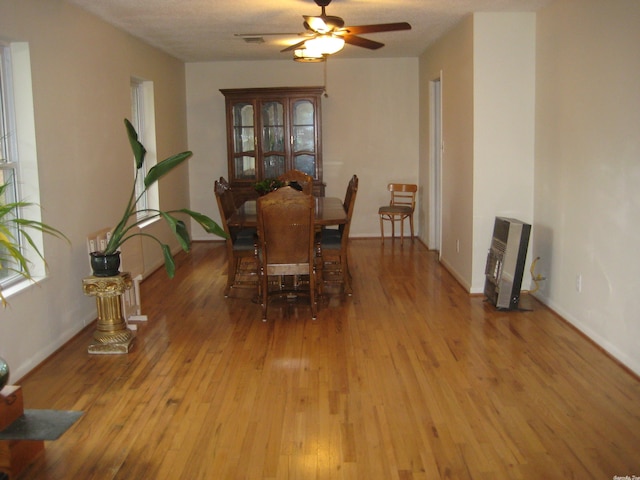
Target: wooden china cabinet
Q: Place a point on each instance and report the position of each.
(271, 131)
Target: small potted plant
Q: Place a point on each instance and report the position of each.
(268, 185)
(107, 262)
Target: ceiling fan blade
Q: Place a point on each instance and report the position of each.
(279, 34)
(380, 27)
(294, 47)
(362, 42)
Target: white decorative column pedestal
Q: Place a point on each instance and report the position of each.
(112, 335)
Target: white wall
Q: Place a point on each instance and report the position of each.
(504, 121)
(451, 59)
(587, 168)
(370, 125)
(584, 199)
(487, 70)
(81, 69)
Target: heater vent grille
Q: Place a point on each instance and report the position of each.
(253, 39)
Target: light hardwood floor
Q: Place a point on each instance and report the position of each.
(411, 378)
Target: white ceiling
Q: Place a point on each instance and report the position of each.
(203, 30)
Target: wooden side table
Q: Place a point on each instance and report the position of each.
(112, 335)
(15, 455)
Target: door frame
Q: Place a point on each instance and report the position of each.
(436, 153)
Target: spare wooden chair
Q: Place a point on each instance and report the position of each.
(242, 253)
(304, 180)
(332, 246)
(286, 233)
(401, 207)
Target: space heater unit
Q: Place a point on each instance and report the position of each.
(506, 262)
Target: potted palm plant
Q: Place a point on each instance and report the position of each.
(107, 262)
(14, 231)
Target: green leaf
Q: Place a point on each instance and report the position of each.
(205, 222)
(138, 149)
(31, 242)
(42, 227)
(15, 231)
(179, 229)
(165, 166)
(169, 264)
(14, 252)
(183, 236)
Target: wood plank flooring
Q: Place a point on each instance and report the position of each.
(410, 378)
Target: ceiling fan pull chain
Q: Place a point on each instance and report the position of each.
(326, 60)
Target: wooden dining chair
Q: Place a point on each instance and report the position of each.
(242, 253)
(401, 207)
(304, 180)
(286, 245)
(332, 246)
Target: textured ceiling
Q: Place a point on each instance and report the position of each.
(204, 30)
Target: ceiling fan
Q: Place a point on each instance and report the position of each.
(330, 31)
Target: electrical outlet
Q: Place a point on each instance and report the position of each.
(579, 283)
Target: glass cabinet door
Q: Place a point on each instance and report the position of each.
(273, 139)
(304, 137)
(273, 166)
(244, 142)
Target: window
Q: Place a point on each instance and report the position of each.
(7, 124)
(143, 120)
(18, 156)
(8, 157)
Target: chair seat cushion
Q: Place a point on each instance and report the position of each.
(330, 238)
(249, 232)
(395, 209)
(244, 243)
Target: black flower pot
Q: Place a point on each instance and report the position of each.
(105, 265)
(4, 373)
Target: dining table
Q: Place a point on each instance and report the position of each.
(329, 211)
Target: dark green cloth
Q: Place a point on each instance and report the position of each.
(40, 425)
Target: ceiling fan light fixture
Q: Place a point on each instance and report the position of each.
(317, 24)
(324, 45)
(305, 56)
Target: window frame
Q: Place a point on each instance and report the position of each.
(143, 120)
(18, 126)
(9, 173)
